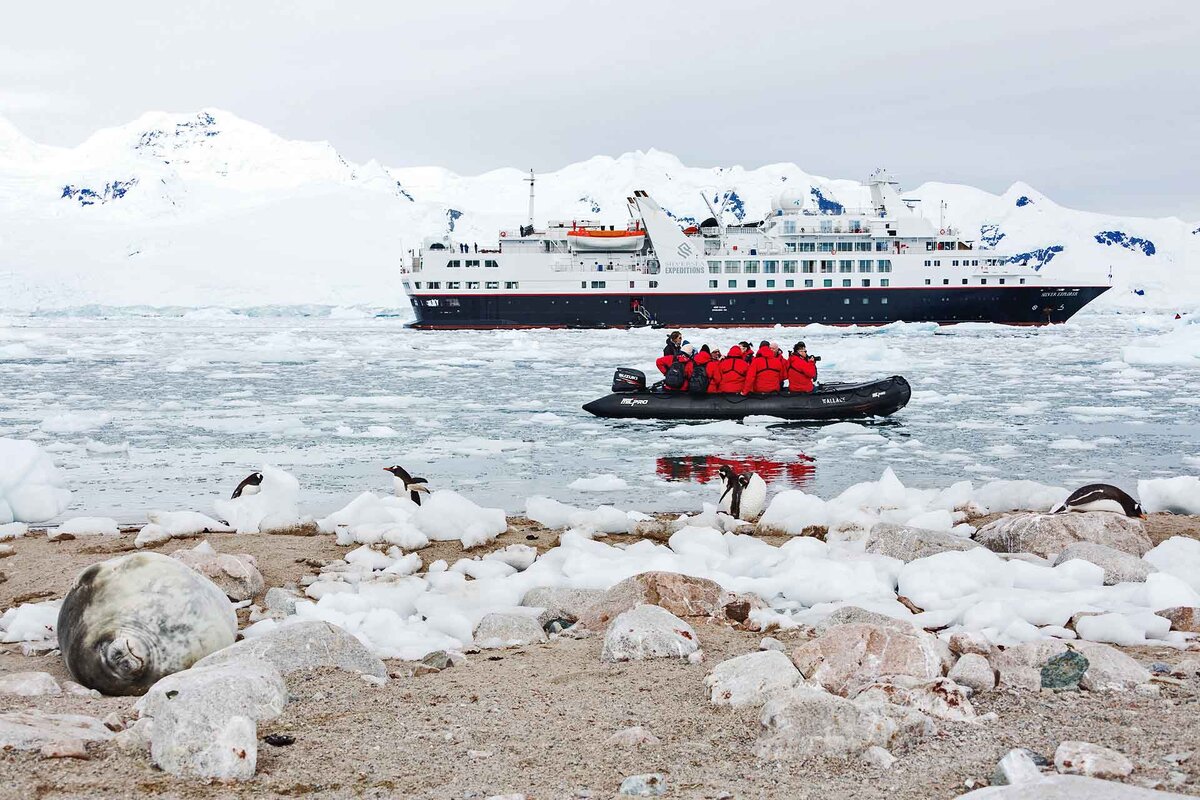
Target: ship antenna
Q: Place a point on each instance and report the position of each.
(531, 180)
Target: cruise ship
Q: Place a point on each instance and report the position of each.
(800, 265)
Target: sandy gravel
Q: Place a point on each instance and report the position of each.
(536, 719)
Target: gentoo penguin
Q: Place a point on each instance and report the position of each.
(249, 485)
(1100, 497)
(745, 495)
(404, 482)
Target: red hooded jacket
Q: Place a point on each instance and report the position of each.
(664, 364)
(733, 371)
(765, 373)
(800, 374)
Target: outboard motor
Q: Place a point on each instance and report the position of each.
(628, 380)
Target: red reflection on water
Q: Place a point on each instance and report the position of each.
(702, 469)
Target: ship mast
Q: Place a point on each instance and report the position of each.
(531, 180)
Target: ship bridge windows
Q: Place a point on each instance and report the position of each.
(808, 247)
(453, 263)
(885, 265)
(733, 267)
(862, 247)
(770, 267)
(714, 268)
(512, 285)
(751, 268)
(846, 265)
(845, 247)
(824, 247)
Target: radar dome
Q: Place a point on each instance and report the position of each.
(789, 200)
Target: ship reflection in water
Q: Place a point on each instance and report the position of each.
(798, 474)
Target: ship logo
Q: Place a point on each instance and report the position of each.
(685, 250)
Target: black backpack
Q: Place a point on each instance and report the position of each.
(699, 381)
(676, 375)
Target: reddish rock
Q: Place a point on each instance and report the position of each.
(1183, 618)
(847, 657)
(682, 595)
(65, 748)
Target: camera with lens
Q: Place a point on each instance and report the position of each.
(814, 358)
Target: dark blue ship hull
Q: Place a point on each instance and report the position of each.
(1009, 305)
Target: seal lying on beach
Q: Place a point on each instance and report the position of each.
(131, 620)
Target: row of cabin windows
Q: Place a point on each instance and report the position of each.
(470, 285)
(604, 284)
(808, 266)
(852, 226)
(880, 246)
(982, 281)
(966, 262)
(827, 283)
(472, 262)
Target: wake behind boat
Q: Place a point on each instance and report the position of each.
(828, 402)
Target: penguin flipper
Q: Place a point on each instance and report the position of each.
(416, 497)
(418, 480)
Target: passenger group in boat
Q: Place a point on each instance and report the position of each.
(739, 371)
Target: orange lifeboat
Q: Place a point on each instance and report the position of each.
(594, 240)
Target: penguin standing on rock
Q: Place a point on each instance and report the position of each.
(251, 484)
(1100, 497)
(745, 495)
(404, 482)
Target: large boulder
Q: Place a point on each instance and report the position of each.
(302, 645)
(237, 575)
(1109, 669)
(940, 698)
(682, 595)
(847, 657)
(909, 544)
(203, 721)
(1183, 618)
(561, 604)
(33, 730)
(648, 632)
(806, 722)
(1068, 787)
(508, 630)
(1048, 535)
(1020, 666)
(750, 679)
(1118, 566)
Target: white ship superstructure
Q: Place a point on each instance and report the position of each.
(799, 265)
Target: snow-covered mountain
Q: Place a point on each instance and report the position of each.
(208, 209)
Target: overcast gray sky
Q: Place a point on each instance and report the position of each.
(1096, 103)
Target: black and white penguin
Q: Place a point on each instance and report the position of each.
(1100, 497)
(745, 495)
(249, 485)
(403, 482)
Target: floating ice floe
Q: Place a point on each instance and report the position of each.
(32, 488)
(275, 506)
(599, 483)
(442, 516)
(75, 421)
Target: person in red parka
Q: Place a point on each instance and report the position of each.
(684, 356)
(766, 371)
(802, 370)
(733, 371)
(709, 361)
